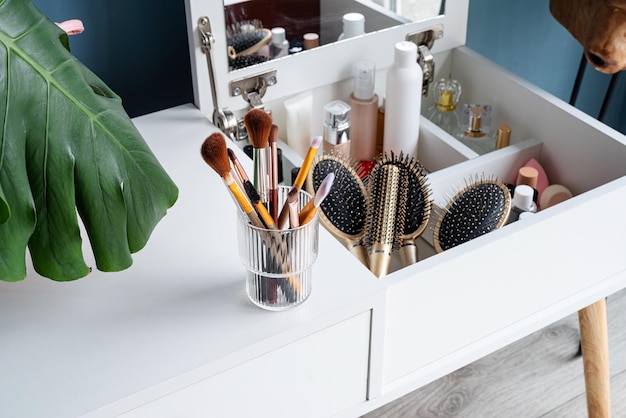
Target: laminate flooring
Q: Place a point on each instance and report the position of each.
(538, 376)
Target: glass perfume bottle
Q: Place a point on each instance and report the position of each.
(475, 127)
(444, 113)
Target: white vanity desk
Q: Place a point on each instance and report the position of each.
(175, 335)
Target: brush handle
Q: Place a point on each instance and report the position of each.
(408, 252)
(380, 259)
(358, 250)
(261, 175)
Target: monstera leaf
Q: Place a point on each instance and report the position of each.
(67, 148)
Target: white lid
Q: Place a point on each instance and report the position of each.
(278, 36)
(364, 73)
(353, 25)
(523, 197)
(405, 54)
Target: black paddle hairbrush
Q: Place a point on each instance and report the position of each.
(482, 206)
(344, 210)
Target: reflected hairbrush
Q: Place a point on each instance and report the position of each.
(344, 210)
(482, 206)
(416, 209)
(246, 37)
(388, 190)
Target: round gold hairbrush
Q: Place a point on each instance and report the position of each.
(417, 203)
(482, 206)
(344, 210)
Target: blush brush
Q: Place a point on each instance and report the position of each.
(215, 154)
(480, 207)
(344, 209)
(259, 124)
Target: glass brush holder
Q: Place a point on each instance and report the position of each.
(279, 262)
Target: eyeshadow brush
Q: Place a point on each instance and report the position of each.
(308, 211)
(251, 192)
(258, 124)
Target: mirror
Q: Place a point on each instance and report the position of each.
(261, 30)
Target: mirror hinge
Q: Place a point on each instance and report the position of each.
(425, 41)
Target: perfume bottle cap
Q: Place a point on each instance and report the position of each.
(336, 122)
(364, 72)
(278, 36)
(503, 136)
(405, 54)
(353, 25)
(523, 198)
(475, 118)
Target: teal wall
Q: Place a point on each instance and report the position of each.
(139, 48)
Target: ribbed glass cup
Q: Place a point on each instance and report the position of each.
(278, 263)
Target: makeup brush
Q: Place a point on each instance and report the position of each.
(273, 171)
(388, 188)
(301, 177)
(310, 209)
(214, 153)
(482, 206)
(417, 207)
(344, 210)
(258, 124)
(251, 192)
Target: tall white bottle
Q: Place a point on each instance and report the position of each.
(403, 101)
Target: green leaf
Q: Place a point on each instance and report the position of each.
(67, 148)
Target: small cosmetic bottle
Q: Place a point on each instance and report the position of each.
(310, 40)
(353, 25)
(364, 113)
(503, 136)
(522, 202)
(444, 112)
(279, 47)
(337, 129)
(475, 128)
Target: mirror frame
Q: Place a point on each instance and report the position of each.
(301, 72)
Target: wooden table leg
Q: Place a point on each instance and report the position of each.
(595, 345)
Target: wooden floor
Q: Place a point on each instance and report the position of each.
(539, 376)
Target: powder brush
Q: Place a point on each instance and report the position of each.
(215, 154)
(259, 124)
(481, 206)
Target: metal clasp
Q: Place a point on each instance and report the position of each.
(425, 41)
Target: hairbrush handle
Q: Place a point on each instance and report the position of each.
(380, 259)
(408, 252)
(358, 250)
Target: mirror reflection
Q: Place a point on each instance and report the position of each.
(262, 30)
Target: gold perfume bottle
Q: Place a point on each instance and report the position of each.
(444, 112)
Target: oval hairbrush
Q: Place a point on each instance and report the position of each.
(417, 206)
(482, 206)
(387, 185)
(343, 211)
(246, 37)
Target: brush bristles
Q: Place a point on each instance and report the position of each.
(215, 154)
(345, 206)
(273, 136)
(387, 188)
(258, 124)
(482, 206)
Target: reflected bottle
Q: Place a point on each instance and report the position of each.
(279, 46)
(353, 25)
(475, 126)
(444, 112)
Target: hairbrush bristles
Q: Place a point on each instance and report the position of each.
(482, 206)
(344, 210)
(215, 154)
